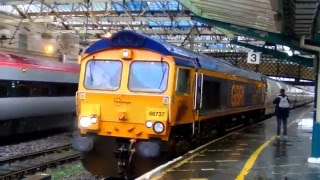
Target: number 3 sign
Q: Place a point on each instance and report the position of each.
(253, 57)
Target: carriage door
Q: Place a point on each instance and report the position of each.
(197, 94)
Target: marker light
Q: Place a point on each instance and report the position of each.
(126, 54)
(85, 122)
(165, 101)
(149, 124)
(93, 120)
(158, 127)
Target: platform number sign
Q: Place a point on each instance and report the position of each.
(253, 58)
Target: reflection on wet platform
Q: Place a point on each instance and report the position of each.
(241, 153)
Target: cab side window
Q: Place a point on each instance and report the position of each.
(183, 81)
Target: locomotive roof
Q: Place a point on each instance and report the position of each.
(133, 39)
(25, 62)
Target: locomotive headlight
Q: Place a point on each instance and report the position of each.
(158, 127)
(149, 124)
(93, 120)
(85, 122)
(125, 53)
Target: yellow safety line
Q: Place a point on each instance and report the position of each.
(247, 167)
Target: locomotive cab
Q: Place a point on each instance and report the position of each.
(125, 97)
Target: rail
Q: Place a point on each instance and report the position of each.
(18, 166)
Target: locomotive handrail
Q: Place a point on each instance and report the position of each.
(201, 90)
(195, 92)
(76, 98)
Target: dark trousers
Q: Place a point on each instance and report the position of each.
(284, 122)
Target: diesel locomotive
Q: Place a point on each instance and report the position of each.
(141, 100)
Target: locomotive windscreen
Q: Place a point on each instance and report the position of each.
(103, 74)
(148, 76)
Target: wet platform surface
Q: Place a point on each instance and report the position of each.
(236, 156)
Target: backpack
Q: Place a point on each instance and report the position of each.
(284, 103)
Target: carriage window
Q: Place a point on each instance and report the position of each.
(211, 94)
(3, 90)
(37, 89)
(45, 91)
(183, 82)
(148, 76)
(104, 75)
(59, 89)
(22, 90)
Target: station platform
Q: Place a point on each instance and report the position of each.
(250, 153)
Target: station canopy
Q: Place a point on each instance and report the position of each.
(201, 25)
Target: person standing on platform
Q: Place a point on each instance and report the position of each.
(282, 111)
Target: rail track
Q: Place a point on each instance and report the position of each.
(18, 166)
